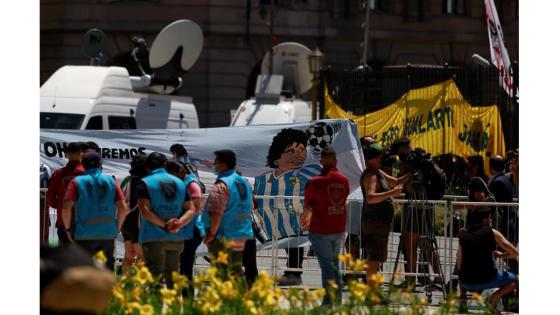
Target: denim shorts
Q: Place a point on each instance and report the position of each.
(502, 278)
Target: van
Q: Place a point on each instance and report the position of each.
(96, 97)
(286, 110)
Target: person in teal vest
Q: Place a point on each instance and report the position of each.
(195, 189)
(227, 216)
(166, 211)
(95, 197)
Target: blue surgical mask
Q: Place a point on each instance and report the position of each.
(215, 170)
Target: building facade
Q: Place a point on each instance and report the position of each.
(237, 36)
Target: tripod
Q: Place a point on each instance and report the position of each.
(426, 241)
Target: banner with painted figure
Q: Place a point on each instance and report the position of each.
(277, 159)
(436, 118)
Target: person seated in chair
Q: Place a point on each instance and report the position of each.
(476, 258)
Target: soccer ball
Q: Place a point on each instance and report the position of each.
(319, 135)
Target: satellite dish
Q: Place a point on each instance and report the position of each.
(94, 44)
(290, 60)
(181, 39)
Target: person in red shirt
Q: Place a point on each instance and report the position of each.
(325, 214)
(59, 182)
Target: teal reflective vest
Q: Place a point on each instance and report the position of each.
(236, 221)
(95, 217)
(197, 219)
(167, 196)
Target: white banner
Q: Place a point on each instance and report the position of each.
(281, 167)
(498, 50)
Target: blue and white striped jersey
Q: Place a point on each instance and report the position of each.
(290, 183)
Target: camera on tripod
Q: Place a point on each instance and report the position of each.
(420, 166)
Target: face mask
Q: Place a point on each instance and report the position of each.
(215, 170)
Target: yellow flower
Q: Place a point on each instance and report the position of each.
(358, 290)
(345, 258)
(358, 265)
(144, 276)
(270, 300)
(478, 298)
(319, 293)
(135, 294)
(131, 307)
(222, 258)
(179, 281)
(250, 306)
(406, 296)
(228, 291)
(118, 294)
(208, 307)
(377, 279)
(332, 284)
(375, 298)
(146, 309)
(168, 295)
(139, 263)
(100, 257)
(423, 301)
(279, 293)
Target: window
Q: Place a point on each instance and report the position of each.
(120, 122)
(95, 123)
(61, 121)
(418, 11)
(339, 9)
(380, 5)
(454, 7)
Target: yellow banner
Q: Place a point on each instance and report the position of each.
(436, 118)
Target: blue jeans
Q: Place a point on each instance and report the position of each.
(327, 247)
(502, 278)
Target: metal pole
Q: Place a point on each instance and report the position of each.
(315, 97)
(366, 34)
(450, 210)
(271, 28)
(274, 266)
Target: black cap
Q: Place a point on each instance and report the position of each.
(73, 147)
(155, 160)
(178, 149)
(91, 159)
(372, 151)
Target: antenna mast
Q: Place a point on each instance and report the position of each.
(366, 33)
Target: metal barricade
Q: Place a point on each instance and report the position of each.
(272, 256)
(47, 220)
(449, 216)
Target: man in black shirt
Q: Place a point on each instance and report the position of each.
(503, 189)
(476, 258)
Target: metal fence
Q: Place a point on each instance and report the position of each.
(449, 217)
(364, 89)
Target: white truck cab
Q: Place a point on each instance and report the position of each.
(279, 89)
(287, 110)
(95, 97)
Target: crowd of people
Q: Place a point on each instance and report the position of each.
(163, 215)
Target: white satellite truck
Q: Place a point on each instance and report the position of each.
(277, 95)
(100, 97)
